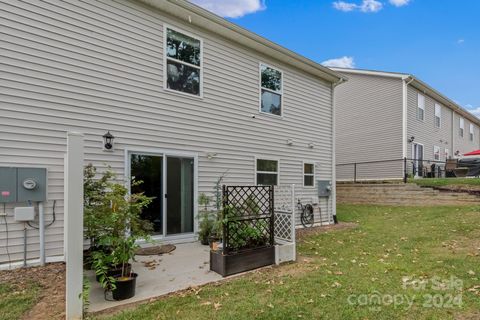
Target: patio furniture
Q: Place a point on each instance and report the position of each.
(461, 172)
(450, 166)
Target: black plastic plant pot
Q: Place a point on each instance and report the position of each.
(204, 241)
(125, 287)
(116, 271)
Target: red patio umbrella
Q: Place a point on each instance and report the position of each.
(473, 153)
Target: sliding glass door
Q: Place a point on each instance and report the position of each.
(170, 180)
(148, 169)
(179, 195)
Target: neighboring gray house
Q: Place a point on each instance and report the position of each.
(377, 115)
(187, 95)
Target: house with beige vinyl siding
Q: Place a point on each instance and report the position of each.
(384, 117)
(187, 96)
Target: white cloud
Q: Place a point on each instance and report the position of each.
(475, 111)
(344, 6)
(343, 62)
(460, 41)
(364, 6)
(399, 3)
(371, 6)
(231, 8)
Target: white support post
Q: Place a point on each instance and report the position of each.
(294, 238)
(74, 224)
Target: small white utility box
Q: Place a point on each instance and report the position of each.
(24, 213)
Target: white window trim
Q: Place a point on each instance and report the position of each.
(266, 172)
(439, 153)
(196, 37)
(421, 107)
(308, 174)
(461, 126)
(439, 115)
(447, 154)
(471, 132)
(260, 91)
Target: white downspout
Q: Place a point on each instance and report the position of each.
(405, 83)
(334, 160)
(453, 133)
(41, 230)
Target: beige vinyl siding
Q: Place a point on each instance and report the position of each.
(425, 132)
(369, 126)
(463, 144)
(95, 66)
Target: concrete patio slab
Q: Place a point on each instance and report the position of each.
(188, 265)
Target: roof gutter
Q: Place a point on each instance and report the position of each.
(204, 19)
(425, 88)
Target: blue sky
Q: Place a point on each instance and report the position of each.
(436, 40)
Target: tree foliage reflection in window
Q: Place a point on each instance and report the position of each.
(183, 62)
(271, 90)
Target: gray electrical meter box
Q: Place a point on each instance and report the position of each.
(23, 184)
(8, 187)
(31, 184)
(324, 188)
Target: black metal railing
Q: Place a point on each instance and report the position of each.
(248, 219)
(403, 169)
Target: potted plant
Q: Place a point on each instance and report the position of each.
(247, 234)
(122, 228)
(94, 192)
(205, 226)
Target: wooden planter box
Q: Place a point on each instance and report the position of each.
(242, 261)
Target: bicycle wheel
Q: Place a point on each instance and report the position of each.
(307, 216)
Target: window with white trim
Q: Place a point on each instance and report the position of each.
(271, 86)
(471, 132)
(421, 107)
(438, 115)
(308, 174)
(183, 55)
(447, 154)
(436, 153)
(462, 127)
(266, 172)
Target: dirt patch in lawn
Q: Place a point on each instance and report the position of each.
(306, 232)
(51, 279)
(470, 189)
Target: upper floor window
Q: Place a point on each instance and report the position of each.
(462, 127)
(183, 56)
(471, 132)
(266, 172)
(271, 84)
(421, 107)
(436, 153)
(308, 174)
(438, 115)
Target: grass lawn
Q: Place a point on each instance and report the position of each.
(428, 257)
(16, 300)
(440, 182)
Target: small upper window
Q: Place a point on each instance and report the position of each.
(462, 127)
(308, 174)
(183, 57)
(271, 90)
(438, 115)
(471, 132)
(436, 153)
(267, 172)
(421, 107)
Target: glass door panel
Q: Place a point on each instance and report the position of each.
(179, 195)
(149, 169)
